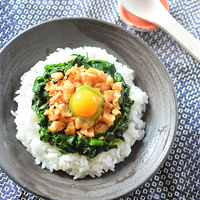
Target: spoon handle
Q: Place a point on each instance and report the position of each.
(165, 21)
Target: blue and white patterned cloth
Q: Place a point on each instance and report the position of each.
(179, 177)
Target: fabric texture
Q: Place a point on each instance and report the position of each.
(179, 177)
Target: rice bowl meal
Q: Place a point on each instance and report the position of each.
(79, 111)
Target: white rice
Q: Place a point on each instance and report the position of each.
(74, 164)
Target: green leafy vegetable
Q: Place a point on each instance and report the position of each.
(83, 145)
(105, 66)
(96, 142)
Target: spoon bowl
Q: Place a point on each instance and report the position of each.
(137, 22)
(154, 12)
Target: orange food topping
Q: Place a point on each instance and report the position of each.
(62, 87)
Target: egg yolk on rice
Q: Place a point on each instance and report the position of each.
(85, 103)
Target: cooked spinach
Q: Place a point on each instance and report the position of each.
(83, 145)
(105, 66)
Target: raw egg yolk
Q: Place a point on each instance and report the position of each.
(85, 103)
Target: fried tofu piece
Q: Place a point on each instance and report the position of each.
(93, 71)
(116, 96)
(102, 77)
(87, 132)
(70, 130)
(90, 132)
(88, 78)
(100, 127)
(107, 107)
(57, 76)
(55, 98)
(82, 124)
(72, 70)
(65, 111)
(77, 84)
(67, 120)
(56, 126)
(108, 118)
(117, 86)
(74, 74)
(116, 111)
(108, 95)
(109, 81)
(51, 114)
(102, 87)
(68, 90)
(50, 86)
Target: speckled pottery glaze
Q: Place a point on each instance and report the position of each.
(147, 156)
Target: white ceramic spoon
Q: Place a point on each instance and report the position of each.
(154, 11)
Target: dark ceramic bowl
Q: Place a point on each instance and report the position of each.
(147, 156)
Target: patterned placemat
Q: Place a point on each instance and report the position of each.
(179, 177)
